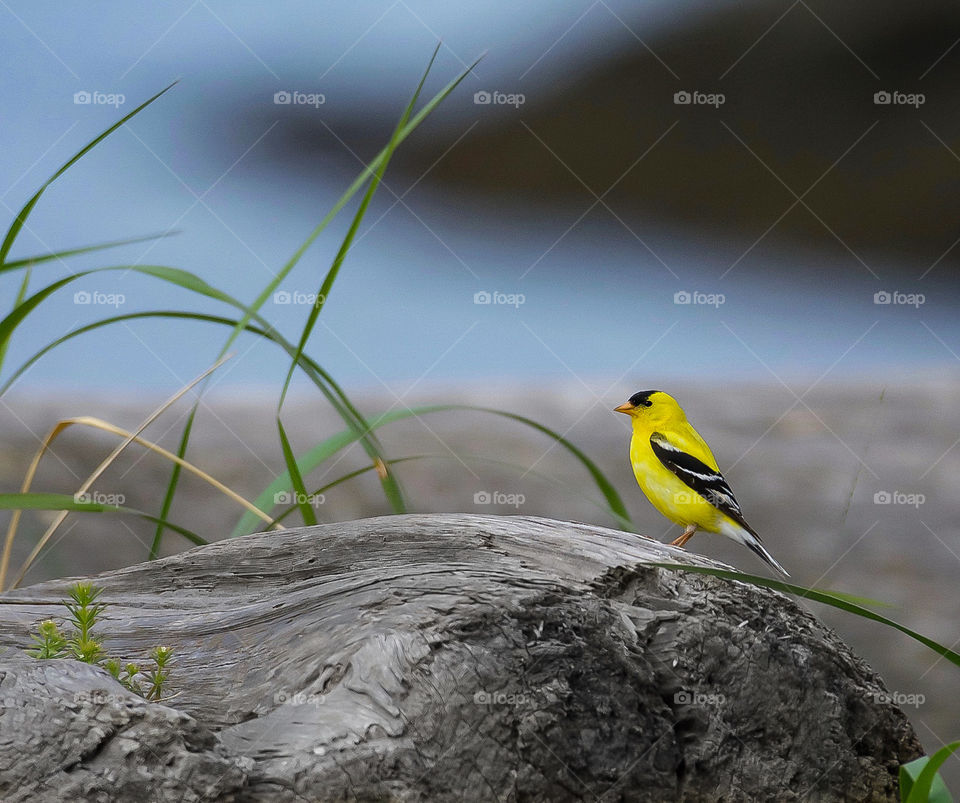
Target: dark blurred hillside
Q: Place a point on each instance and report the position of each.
(798, 153)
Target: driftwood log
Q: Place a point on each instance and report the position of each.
(445, 657)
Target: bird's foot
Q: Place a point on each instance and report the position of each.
(684, 537)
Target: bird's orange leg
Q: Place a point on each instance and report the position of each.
(686, 536)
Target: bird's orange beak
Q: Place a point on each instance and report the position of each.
(626, 407)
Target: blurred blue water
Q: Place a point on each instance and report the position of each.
(588, 298)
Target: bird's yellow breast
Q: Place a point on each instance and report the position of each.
(667, 492)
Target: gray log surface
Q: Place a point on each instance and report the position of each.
(446, 657)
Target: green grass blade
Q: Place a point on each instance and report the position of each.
(473, 458)
(302, 501)
(192, 537)
(344, 199)
(865, 602)
(24, 213)
(325, 449)
(317, 375)
(391, 487)
(9, 324)
(313, 371)
(35, 260)
(334, 394)
(395, 493)
(339, 481)
(313, 458)
(172, 482)
(53, 501)
(327, 285)
(369, 441)
(129, 316)
(176, 276)
(826, 597)
(920, 780)
(184, 279)
(617, 508)
(310, 367)
(21, 294)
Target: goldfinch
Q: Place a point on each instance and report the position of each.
(678, 473)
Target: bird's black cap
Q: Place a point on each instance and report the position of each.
(642, 399)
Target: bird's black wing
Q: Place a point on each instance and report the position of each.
(699, 477)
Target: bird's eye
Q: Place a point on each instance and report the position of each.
(647, 403)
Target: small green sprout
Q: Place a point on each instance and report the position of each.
(85, 645)
(50, 642)
(89, 650)
(157, 676)
(84, 610)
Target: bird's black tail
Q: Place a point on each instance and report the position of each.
(752, 540)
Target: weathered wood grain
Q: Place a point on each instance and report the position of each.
(446, 657)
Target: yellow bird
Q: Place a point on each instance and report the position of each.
(678, 473)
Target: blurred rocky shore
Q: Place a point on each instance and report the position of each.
(853, 487)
